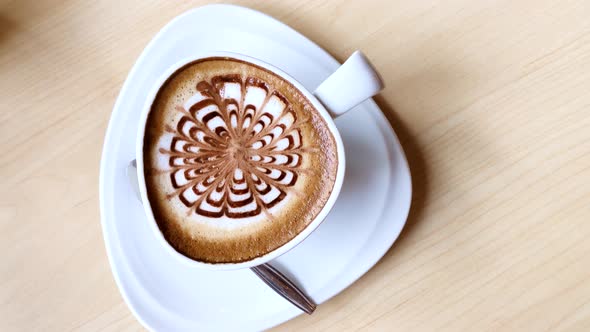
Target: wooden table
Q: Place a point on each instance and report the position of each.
(491, 100)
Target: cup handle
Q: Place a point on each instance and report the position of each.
(352, 83)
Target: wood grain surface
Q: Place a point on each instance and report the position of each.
(491, 100)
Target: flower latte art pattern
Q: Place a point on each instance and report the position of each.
(235, 150)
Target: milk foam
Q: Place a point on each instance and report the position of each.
(232, 159)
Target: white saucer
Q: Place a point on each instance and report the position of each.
(370, 213)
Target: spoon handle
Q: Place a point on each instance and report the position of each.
(284, 287)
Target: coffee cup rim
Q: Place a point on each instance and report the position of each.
(269, 256)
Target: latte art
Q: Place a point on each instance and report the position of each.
(236, 160)
(236, 150)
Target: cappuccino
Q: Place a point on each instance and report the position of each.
(237, 161)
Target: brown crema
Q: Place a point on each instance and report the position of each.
(237, 161)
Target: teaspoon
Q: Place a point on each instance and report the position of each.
(271, 276)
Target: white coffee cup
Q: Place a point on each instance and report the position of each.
(353, 82)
